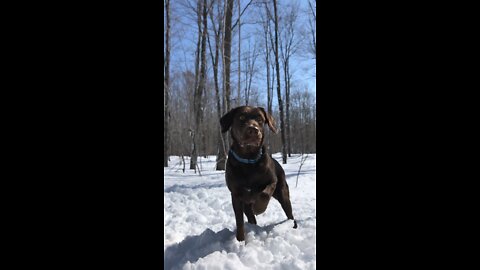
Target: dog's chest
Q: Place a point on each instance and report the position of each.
(253, 180)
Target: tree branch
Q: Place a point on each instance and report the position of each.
(235, 24)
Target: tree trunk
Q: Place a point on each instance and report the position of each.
(287, 99)
(166, 87)
(279, 94)
(239, 60)
(193, 154)
(266, 28)
(221, 149)
(250, 70)
(226, 54)
(313, 30)
(197, 100)
(227, 45)
(270, 106)
(199, 40)
(203, 73)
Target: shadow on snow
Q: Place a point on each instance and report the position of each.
(195, 247)
(176, 188)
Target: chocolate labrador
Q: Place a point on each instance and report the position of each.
(251, 175)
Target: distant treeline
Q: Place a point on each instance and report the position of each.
(197, 96)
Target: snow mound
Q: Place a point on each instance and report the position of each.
(200, 225)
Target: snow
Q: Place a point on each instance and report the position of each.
(200, 224)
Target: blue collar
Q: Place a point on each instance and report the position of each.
(247, 161)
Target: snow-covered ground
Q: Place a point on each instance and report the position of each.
(200, 224)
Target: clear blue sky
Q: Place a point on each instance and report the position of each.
(184, 31)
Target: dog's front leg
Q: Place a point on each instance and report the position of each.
(238, 209)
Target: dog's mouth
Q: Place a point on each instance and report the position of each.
(251, 141)
(249, 144)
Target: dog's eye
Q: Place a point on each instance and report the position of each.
(259, 119)
(242, 118)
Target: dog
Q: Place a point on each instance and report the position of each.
(252, 176)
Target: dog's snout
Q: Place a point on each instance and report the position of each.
(252, 130)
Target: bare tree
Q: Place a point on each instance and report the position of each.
(221, 152)
(226, 61)
(193, 131)
(250, 70)
(275, 75)
(279, 94)
(200, 88)
(227, 46)
(313, 28)
(266, 32)
(239, 49)
(238, 22)
(288, 46)
(166, 86)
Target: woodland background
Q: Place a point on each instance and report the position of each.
(220, 54)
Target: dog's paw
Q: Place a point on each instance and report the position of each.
(295, 224)
(240, 234)
(240, 237)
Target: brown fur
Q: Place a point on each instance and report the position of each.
(252, 185)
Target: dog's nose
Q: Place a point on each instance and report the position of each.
(252, 130)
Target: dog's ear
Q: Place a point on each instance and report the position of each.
(227, 119)
(269, 120)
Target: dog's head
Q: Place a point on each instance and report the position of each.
(247, 124)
